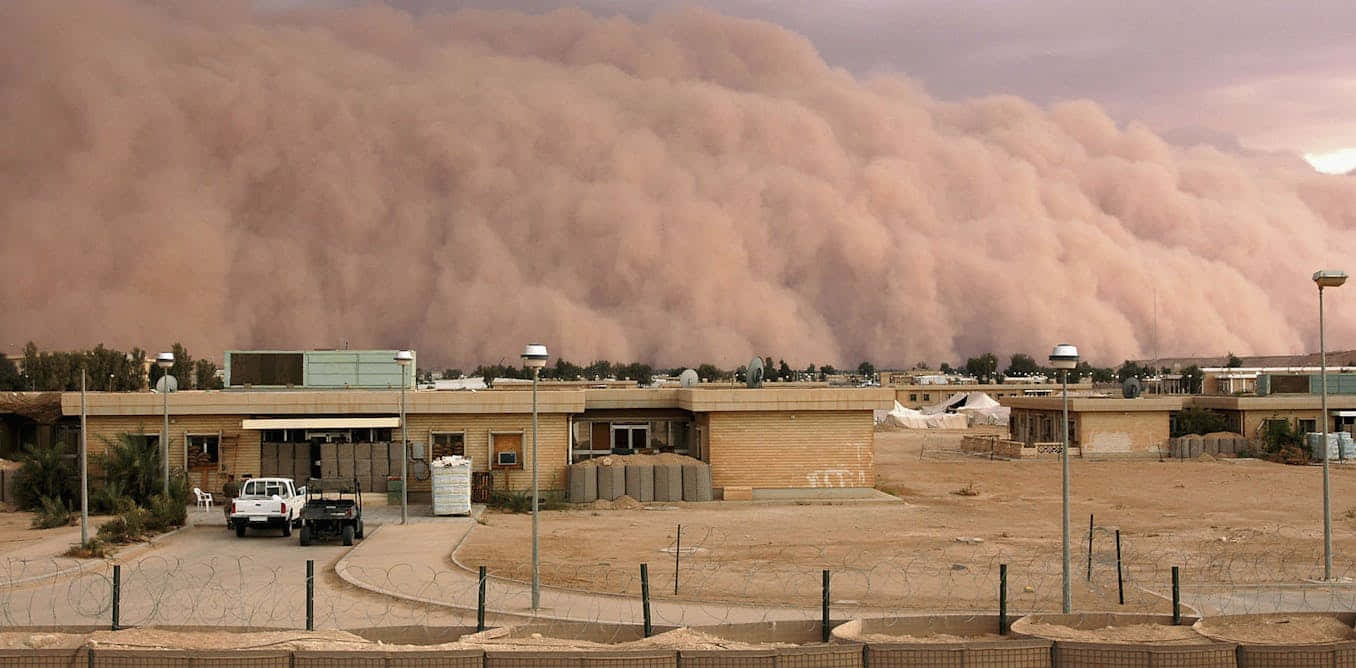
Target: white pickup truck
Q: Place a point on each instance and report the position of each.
(267, 503)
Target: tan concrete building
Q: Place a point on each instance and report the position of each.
(758, 438)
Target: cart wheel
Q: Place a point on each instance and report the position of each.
(239, 529)
(305, 538)
(359, 533)
(348, 534)
(287, 528)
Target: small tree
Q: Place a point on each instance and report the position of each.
(46, 473)
(133, 462)
(1199, 421)
(1233, 361)
(866, 370)
(784, 370)
(1021, 364)
(1192, 379)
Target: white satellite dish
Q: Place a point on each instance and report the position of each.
(167, 383)
(755, 373)
(688, 378)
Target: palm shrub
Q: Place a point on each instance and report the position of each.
(52, 514)
(134, 462)
(45, 473)
(111, 499)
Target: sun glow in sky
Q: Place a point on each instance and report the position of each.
(1334, 162)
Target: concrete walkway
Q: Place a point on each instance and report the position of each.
(413, 563)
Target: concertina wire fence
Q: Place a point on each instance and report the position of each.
(1230, 572)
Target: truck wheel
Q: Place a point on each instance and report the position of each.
(287, 528)
(348, 534)
(239, 529)
(359, 533)
(305, 535)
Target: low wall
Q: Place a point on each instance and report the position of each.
(983, 651)
(1002, 448)
(1192, 446)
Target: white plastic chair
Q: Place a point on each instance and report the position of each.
(204, 499)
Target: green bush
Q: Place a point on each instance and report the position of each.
(94, 549)
(52, 514)
(128, 527)
(110, 499)
(134, 462)
(521, 502)
(166, 513)
(45, 473)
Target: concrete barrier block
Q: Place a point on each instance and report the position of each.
(611, 482)
(696, 482)
(640, 482)
(583, 483)
(668, 482)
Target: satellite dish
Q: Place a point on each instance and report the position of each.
(755, 373)
(167, 380)
(1131, 388)
(688, 378)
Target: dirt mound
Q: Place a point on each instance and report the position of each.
(1222, 434)
(1277, 629)
(164, 639)
(19, 640)
(1206, 457)
(686, 638)
(935, 637)
(623, 460)
(622, 502)
(1153, 633)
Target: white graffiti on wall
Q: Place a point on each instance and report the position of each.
(835, 478)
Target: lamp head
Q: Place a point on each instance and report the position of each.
(534, 356)
(1064, 356)
(404, 357)
(1329, 278)
(164, 360)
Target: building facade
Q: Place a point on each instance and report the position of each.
(757, 438)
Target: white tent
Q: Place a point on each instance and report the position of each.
(908, 418)
(976, 407)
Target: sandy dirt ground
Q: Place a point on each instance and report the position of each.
(1230, 525)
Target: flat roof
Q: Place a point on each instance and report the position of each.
(282, 403)
(1096, 405)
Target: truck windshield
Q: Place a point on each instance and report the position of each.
(265, 488)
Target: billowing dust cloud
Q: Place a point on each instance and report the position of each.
(695, 188)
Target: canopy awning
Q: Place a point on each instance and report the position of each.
(1344, 413)
(321, 423)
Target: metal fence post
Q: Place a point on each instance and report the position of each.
(310, 594)
(1090, 530)
(1002, 599)
(480, 604)
(1120, 582)
(677, 552)
(117, 593)
(645, 595)
(824, 614)
(1176, 598)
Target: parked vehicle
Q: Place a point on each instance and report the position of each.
(267, 503)
(326, 516)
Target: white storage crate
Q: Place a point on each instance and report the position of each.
(451, 486)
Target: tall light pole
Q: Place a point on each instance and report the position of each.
(1065, 357)
(1326, 278)
(84, 465)
(534, 358)
(404, 357)
(165, 361)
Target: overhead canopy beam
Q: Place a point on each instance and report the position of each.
(321, 423)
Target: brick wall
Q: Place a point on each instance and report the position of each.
(792, 449)
(552, 444)
(239, 448)
(1130, 432)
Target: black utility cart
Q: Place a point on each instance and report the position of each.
(334, 507)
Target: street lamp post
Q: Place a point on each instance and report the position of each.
(165, 361)
(404, 357)
(534, 357)
(1326, 278)
(1065, 357)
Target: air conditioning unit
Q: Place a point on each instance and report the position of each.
(508, 459)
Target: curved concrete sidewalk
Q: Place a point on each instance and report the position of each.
(412, 563)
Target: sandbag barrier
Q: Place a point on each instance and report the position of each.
(590, 481)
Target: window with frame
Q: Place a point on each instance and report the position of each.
(204, 450)
(506, 450)
(1308, 426)
(448, 443)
